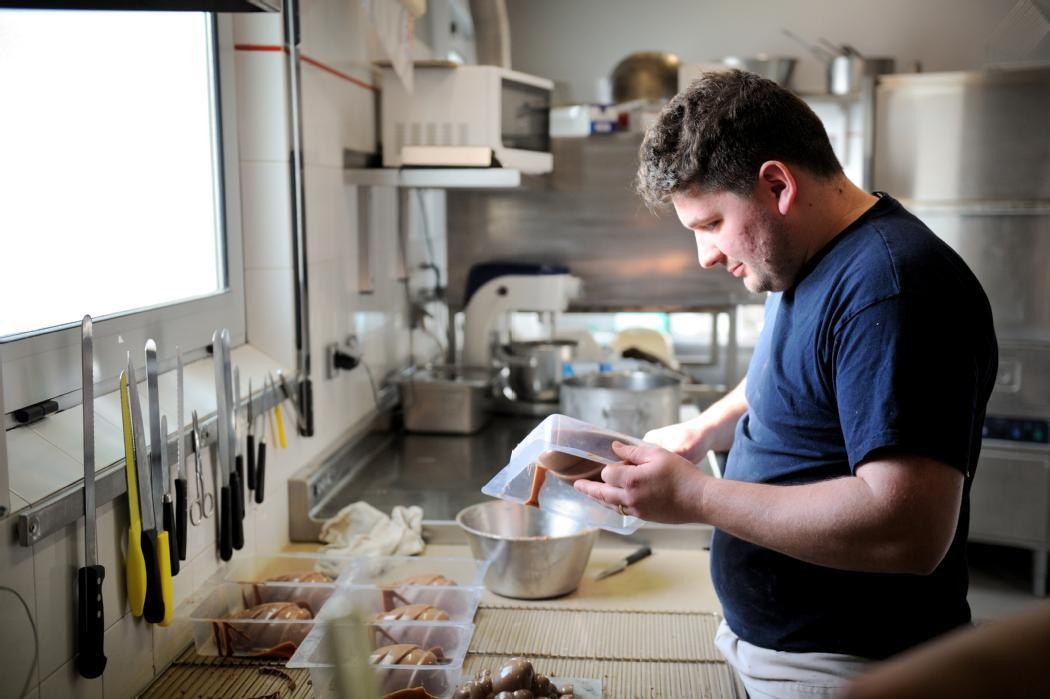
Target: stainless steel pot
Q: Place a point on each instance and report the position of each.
(533, 370)
(776, 68)
(631, 402)
(846, 74)
(534, 554)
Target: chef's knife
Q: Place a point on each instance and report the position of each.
(260, 463)
(169, 508)
(238, 459)
(91, 658)
(249, 451)
(136, 564)
(153, 609)
(633, 558)
(181, 502)
(222, 424)
(236, 492)
(158, 479)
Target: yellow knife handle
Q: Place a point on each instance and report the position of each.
(136, 562)
(164, 565)
(280, 427)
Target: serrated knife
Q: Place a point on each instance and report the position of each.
(91, 657)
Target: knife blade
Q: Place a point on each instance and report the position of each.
(238, 458)
(181, 501)
(91, 657)
(236, 493)
(158, 479)
(222, 424)
(249, 452)
(153, 608)
(136, 564)
(169, 509)
(623, 563)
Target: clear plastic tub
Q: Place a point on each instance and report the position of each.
(396, 571)
(575, 438)
(439, 679)
(262, 568)
(216, 633)
(460, 603)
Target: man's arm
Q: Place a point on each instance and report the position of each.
(896, 515)
(710, 430)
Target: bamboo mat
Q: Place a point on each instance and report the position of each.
(192, 676)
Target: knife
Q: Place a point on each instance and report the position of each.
(260, 462)
(278, 420)
(250, 439)
(169, 508)
(153, 609)
(136, 568)
(238, 458)
(181, 502)
(158, 479)
(236, 492)
(222, 424)
(633, 558)
(91, 658)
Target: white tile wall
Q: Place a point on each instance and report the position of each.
(339, 114)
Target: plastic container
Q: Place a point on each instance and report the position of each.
(262, 568)
(215, 633)
(560, 433)
(439, 680)
(393, 571)
(460, 603)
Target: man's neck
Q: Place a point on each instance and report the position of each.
(836, 204)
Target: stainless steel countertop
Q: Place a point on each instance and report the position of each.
(440, 473)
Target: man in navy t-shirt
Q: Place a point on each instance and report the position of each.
(842, 516)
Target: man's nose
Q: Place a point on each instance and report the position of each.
(706, 253)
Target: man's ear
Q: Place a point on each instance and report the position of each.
(777, 185)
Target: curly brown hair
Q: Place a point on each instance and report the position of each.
(716, 134)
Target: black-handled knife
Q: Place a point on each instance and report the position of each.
(168, 508)
(181, 501)
(251, 440)
(223, 400)
(91, 657)
(633, 558)
(260, 473)
(237, 509)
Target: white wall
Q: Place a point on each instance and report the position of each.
(580, 41)
(338, 113)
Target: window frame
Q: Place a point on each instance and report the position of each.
(47, 365)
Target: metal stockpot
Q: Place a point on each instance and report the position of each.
(631, 402)
(846, 74)
(533, 370)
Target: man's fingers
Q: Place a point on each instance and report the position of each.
(602, 492)
(616, 474)
(628, 452)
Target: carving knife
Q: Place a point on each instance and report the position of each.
(633, 558)
(260, 464)
(238, 459)
(91, 657)
(158, 479)
(169, 508)
(249, 452)
(153, 609)
(236, 492)
(181, 501)
(136, 564)
(222, 424)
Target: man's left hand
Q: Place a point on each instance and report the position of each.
(651, 483)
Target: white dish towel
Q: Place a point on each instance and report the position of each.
(359, 529)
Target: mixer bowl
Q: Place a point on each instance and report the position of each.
(535, 554)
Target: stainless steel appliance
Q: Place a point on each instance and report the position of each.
(968, 153)
(630, 402)
(446, 400)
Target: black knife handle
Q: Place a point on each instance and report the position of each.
(236, 511)
(153, 609)
(238, 494)
(251, 462)
(225, 521)
(181, 504)
(260, 474)
(638, 555)
(173, 544)
(91, 657)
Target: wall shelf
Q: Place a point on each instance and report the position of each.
(434, 178)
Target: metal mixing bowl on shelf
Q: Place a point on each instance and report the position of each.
(535, 554)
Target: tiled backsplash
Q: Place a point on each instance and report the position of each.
(338, 114)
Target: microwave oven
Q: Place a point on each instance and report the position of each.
(467, 116)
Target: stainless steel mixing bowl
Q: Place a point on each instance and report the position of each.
(534, 554)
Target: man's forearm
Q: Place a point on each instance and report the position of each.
(722, 416)
(840, 523)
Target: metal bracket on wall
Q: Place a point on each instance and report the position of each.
(365, 279)
(64, 507)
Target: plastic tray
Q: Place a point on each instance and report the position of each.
(570, 436)
(260, 568)
(440, 680)
(460, 603)
(390, 571)
(214, 633)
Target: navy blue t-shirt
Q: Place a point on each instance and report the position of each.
(885, 342)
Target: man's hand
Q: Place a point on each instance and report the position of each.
(651, 483)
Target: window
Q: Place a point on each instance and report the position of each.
(118, 192)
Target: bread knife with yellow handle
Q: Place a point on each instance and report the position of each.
(136, 567)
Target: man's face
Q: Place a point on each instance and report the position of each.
(738, 233)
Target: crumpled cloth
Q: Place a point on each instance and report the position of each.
(359, 529)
